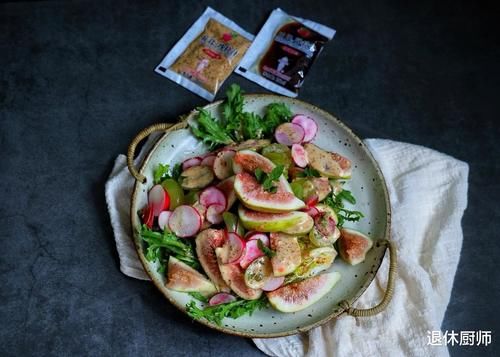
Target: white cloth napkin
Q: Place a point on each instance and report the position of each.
(428, 192)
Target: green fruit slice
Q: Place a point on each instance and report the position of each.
(175, 192)
(274, 222)
(181, 277)
(298, 296)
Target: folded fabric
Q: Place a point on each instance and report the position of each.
(428, 192)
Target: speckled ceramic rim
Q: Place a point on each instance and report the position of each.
(337, 311)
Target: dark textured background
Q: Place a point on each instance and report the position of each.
(77, 83)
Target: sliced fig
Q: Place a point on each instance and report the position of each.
(253, 195)
(227, 187)
(298, 296)
(287, 253)
(320, 240)
(252, 145)
(299, 222)
(234, 277)
(181, 277)
(223, 164)
(258, 273)
(353, 246)
(322, 187)
(329, 164)
(206, 243)
(196, 177)
(249, 161)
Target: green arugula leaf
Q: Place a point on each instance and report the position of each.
(160, 173)
(233, 310)
(276, 114)
(159, 244)
(176, 171)
(259, 174)
(343, 214)
(252, 127)
(210, 131)
(270, 253)
(199, 296)
(309, 172)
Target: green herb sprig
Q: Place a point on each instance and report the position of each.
(343, 214)
(163, 172)
(268, 181)
(231, 310)
(167, 243)
(268, 252)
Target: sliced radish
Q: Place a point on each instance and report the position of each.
(325, 224)
(261, 236)
(273, 283)
(308, 124)
(236, 247)
(163, 218)
(185, 221)
(289, 134)
(311, 200)
(221, 298)
(214, 213)
(148, 216)
(299, 155)
(223, 164)
(213, 196)
(252, 252)
(159, 199)
(312, 211)
(194, 161)
(208, 161)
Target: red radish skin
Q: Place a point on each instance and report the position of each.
(213, 196)
(163, 218)
(299, 155)
(251, 253)
(236, 247)
(312, 200)
(147, 216)
(289, 134)
(311, 211)
(185, 221)
(308, 124)
(273, 283)
(214, 213)
(260, 236)
(194, 161)
(208, 161)
(159, 199)
(221, 298)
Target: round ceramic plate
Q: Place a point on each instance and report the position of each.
(367, 184)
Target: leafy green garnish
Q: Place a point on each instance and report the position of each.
(199, 296)
(231, 310)
(268, 180)
(210, 131)
(309, 172)
(270, 253)
(161, 244)
(343, 214)
(162, 173)
(236, 124)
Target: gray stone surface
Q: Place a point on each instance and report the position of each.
(77, 83)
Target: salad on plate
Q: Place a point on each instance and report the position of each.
(257, 221)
